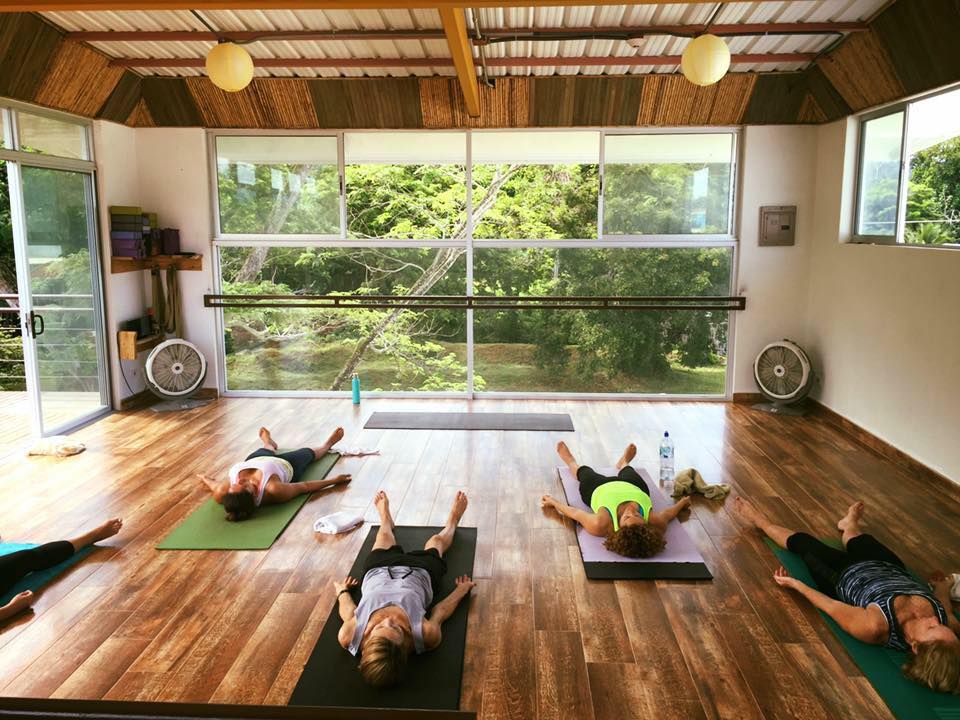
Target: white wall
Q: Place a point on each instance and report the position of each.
(118, 183)
(174, 183)
(882, 322)
(779, 163)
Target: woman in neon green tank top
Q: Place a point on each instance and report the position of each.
(622, 510)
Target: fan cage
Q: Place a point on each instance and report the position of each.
(175, 369)
(783, 373)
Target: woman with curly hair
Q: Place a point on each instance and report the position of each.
(871, 595)
(622, 509)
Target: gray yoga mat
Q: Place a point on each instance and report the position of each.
(679, 560)
(557, 422)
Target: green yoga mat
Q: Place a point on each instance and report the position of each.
(880, 665)
(207, 527)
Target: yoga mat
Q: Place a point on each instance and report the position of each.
(207, 527)
(680, 559)
(432, 682)
(36, 580)
(881, 666)
(558, 422)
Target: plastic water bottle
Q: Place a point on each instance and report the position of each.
(666, 459)
(355, 386)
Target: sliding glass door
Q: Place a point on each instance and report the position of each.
(52, 233)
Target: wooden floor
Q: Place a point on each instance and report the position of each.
(59, 408)
(236, 627)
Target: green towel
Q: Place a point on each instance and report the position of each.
(207, 528)
(880, 665)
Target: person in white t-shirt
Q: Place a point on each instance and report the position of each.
(268, 477)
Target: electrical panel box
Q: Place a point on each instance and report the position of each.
(778, 224)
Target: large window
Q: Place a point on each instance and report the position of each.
(909, 173)
(489, 214)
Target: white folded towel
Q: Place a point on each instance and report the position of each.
(356, 452)
(338, 522)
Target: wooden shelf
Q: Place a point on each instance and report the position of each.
(181, 262)
(130, 346)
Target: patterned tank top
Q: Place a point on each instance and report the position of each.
(879, 583)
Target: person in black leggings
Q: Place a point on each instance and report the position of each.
(868, 591)
(17, 565)
(267, 477)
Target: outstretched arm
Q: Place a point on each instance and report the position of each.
(347, 609)
(941, 590)
(279, 492)
(859, 622)
(443, 610)
(218, 488)
(589, 520)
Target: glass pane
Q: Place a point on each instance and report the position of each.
(880, 175)
(44, 135)
(318, 349)
(58, 205)
(610, 351)
(12, 379)
(933, 194)
(278, 185)
(535, 186)
(406, 185)
(667, 184)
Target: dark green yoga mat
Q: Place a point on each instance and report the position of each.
(207, 527)
(880, 665)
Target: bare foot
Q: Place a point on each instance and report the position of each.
(382, 503)
(747, 511)
(108, 529)
(458, 509)
(852, 518)
(335, 437)
(629, 454)
(19, 603)
(267, 439)
(564, 452)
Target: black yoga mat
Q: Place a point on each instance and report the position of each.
(432, 681)
(559, 422)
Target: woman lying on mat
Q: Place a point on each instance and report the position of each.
(17, 565)
(267, 477)
(391, 620)
(868, 591)
(622, 509)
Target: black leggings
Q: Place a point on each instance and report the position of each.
(299, 459)
(590, 480)
(826, 564)
(17, 565)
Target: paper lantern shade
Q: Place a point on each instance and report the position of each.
(705, 60)
(229, 67)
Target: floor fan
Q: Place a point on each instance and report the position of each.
(175, 371)
(785, 377)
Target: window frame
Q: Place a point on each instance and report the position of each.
(342, 240)
(903, 180)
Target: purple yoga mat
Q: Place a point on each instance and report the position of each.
(680, 548)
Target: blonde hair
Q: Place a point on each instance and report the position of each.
(936, 665)
(382, 661)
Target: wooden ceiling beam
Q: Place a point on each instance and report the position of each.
(89, 5)
(499, 33)
(605, 61)
(461, 52)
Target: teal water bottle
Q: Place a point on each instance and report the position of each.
(355, 386)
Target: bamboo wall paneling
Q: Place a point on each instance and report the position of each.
(222, 109)
(123, 100)
(810, 111)
(507, 104)
(367, 103)
(170, 103)
(831, 103)
(776, 99)
(27, 47)
(921, 40)
(266, 103)
(78, 80)
(672, 100)
(141, 117)
(862, 72)
(578, 101)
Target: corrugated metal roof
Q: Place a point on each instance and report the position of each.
(489, 18)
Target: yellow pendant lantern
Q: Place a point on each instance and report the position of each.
(705, 60)
(229, 67)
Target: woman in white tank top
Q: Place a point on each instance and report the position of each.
(268, 477)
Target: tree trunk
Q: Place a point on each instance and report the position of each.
(444, 260)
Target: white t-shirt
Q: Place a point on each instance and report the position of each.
(268, 467)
